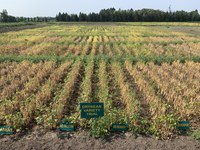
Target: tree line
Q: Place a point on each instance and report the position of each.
(112, 15)
(4, 17)
(143, 15)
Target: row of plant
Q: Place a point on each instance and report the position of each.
(162, 115)
(10, 108)
(149, 98)
(86, 94)
(57, 109)
(117, 40)
(128, 97)
(36, 93)
(15, 73)
(100, 127)
(183, 94)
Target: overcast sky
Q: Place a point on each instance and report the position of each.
(31, 8)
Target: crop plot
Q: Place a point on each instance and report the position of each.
(148, 79)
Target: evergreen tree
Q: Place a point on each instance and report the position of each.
(4, 16)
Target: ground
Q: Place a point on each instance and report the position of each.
(39, 139)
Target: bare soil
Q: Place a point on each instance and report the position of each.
(40, 139)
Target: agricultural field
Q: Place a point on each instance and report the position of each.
(122, 41)
(7, 27)
(147, 76)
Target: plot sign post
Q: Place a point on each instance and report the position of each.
(183, 126)
(66, 126)
(119, 127)
(92, 110)
(6, 130)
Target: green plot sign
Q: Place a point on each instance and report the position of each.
(66, 126)
(92, 110)
(119, 127)
(6, 130)
(183, 125)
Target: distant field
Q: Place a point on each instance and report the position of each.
(15, 24)
(134, 41)
(147, 75)
(8, 27)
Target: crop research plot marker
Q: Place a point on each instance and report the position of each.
(92, 110)
(66, 126)
(183, 126)
(119, 127)
(6, 130)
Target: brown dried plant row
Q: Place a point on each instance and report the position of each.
(117, 50)
(78, 39)
(15, 74)
(70, 49)
(30, 88)
(162, 116)
(173, 92)
(28, 49)
(4, 65)
(11, 49)
(86, 91)
(86, 49)
(90, 39)
(100, 39)
(127, 49)
(36, 101)
(18, 83)
(128, 97)
(190, 69)
(108, 49)
(103, 93)
(101, 49)
(187, 108)
(94, 50)
(105, 39)
(56, 110)
(86, 85)
(77, 49)
(179, 76)
(33, 86)
(188, 86)
(6, 68)
(46, 92)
